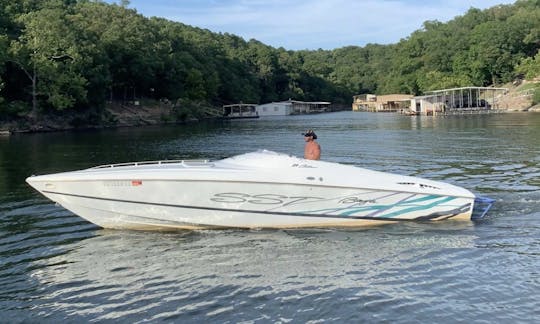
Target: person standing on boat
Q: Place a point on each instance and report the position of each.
(312, 150)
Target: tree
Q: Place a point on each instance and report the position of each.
(46, 52)
(530, 66)
(3, 59)
(69, 54)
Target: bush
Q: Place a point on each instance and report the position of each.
(536, 95)
(13, 109)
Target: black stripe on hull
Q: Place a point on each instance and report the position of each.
(442, 215)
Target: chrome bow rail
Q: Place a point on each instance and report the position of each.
(186, 163)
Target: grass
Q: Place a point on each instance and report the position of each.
(528, 86)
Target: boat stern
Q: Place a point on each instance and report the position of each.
(481, 206)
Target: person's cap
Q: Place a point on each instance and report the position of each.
(310, 132)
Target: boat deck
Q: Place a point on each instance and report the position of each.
(173, 163)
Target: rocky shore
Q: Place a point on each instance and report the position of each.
(113, 115)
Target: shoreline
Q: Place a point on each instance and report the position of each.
(7, 129)
(146, 112)
(114, 115)
(43, 128)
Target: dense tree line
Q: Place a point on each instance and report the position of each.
(76, 55)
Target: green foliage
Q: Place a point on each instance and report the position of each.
(3, 59)
(69, 54)
(47, 52)
(479, 48)
(186, 110)
(530, 66)
(536, 95)
(13, 109)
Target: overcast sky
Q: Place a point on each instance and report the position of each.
(311, 24)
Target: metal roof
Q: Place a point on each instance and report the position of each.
(466, 88)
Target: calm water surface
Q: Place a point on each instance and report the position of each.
(55, 267)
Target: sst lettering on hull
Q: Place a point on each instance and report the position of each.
(261, 199)
(283, 200)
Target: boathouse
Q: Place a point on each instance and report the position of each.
(383, 103)
(240, 111)
(457, 100)
(292, 107)
(275, 109)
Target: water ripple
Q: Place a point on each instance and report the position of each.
(56, 267)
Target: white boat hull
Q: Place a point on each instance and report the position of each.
(217, 196)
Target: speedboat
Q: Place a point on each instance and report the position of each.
(261, 189)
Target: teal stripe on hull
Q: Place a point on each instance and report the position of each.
(422, 207)
(347, 211)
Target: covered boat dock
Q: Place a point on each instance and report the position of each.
(240, 111)
(381, 103)
(458, 101)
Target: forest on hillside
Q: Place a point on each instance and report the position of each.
(77, 55)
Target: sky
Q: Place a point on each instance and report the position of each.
(311, 24)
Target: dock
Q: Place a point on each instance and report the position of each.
(240, 111)
(458, 101)
(381, 103)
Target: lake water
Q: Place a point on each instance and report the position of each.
(56, 267)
